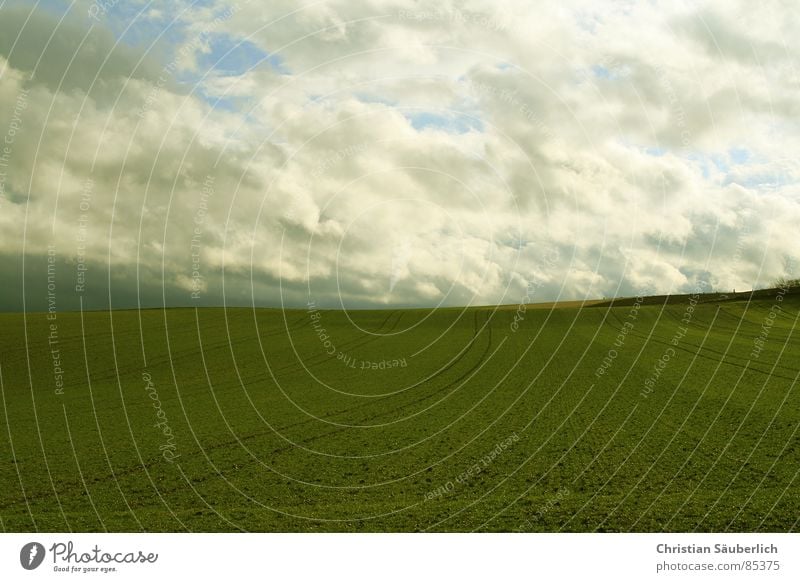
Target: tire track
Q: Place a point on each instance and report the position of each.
(74, 488)
(700, 353)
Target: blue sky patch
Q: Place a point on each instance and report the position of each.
(721, 162)
(739, 155)
(131, 24)
(702, 162)
(222, 103)
(231, 57)
(372, 98)
(448, 122)
(656, 152)
(601, 72)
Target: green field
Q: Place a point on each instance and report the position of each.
(405, 420)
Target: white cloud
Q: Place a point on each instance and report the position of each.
(636, 138)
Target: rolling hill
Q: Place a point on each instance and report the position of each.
(676, 413)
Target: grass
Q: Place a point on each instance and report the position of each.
(228, 420)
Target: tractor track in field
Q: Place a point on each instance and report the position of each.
(247, 382)
(157, 459)
(260, 378)
(340, 430)
(192, 352)
(687, 434)
(135, 369)
(725, 357)
(77, 486)
(441, 371)
(177, 355)
(365, 405)
(745, 321)
(481, 360)
(182, 354)
(673, 311)
(133, 333)
(210, 348)
(75, 492)
(357, 342)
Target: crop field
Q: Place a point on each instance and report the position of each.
(641, 415)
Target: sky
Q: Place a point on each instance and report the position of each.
(393, 153)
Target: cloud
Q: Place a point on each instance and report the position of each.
(378, 154)
(67, 55)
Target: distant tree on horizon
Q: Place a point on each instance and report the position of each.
(786, 282)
